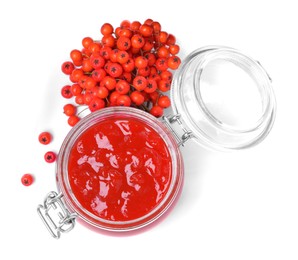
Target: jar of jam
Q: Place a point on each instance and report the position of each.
(120, 169)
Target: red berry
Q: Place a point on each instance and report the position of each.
(69, 109)
(137, 98)
(97, 61)
(122, 87)
(137, 41)
(141, 62)
(174, 62)
(139, 83)
(123, 43)
(106, 29)
(123, 100)
(98, 74)
(67, 67)
(151, 86)
(115, 69)
(86, 42)
(156, 111)
(96, 104)
(73, 120)
(66, 92)
(129, 64)
(102, 92)
(76, 56)
(108, 82)
(27, 179)
(146, 30)
(50, 157)
(45, 138)
(164, 102)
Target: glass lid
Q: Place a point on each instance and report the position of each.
(224, 98)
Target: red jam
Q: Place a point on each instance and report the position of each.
(119, 169)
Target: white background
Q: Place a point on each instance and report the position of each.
(240, 205)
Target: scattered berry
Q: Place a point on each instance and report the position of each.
(50, 157)
(45, 138)
(27, 179)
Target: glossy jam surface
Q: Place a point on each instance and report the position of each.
(119, 169)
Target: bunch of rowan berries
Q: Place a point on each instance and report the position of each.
(131, 65)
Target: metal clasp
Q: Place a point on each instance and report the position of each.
(183, 135)
(55, 216)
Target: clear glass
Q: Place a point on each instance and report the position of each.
(224, 97)
(94, 118)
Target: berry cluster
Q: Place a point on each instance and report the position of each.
(129, 66)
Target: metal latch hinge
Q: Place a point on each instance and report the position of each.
(181, 134)
(55, 216)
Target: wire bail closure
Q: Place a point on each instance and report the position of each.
(55, 215)
(183, 135)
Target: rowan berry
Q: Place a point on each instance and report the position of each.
(87, 65)
(173, 62)
(137, 41)
(137, 98)
(102, 92)
(164, 101)
(50, 157)
(122, 57)
(113, 97)
(123, 100)
(139, 83)
(27, 179)
(76, 55)
(122, 87)
(86, 42)
(164, 85)
(151, 86)
(108, 82)
(162, 37)
(106, 29)
(97, 61)
(163, 52)
(129, 65)
(123, 43)
(135, 25)
(114, 69)
(96, 104)
(95, 47)
(45, 138)
(76, 75)
(66, 92)
(73, 120)
(141, 62)
(67, 67)
(108, 40)
(69, 109)
(76, 89)
(146, 30)
(156, 111)
(98, 74)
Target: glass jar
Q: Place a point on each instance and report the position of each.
(221, 98)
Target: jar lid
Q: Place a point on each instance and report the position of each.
(224, 98)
